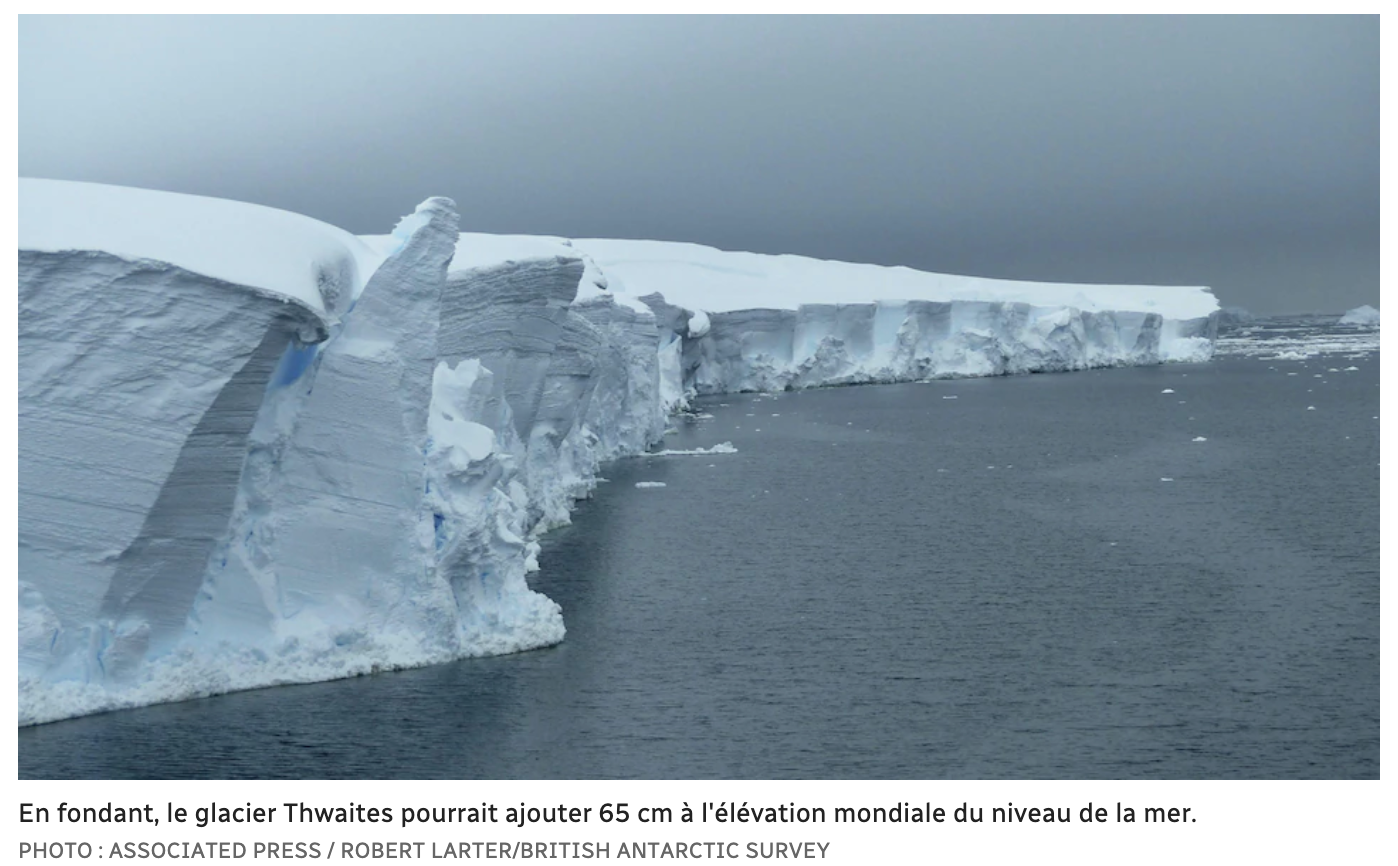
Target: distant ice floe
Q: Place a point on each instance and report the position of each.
(647, 485)
(1199, 439)
(1298, 339)
(720, 448)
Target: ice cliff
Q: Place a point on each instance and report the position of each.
(745, 321)
(256, 449)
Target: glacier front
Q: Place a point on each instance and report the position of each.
(751, 322)
(256, 449)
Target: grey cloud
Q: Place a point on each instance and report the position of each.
(1238, 152)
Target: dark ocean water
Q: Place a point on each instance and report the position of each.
(888, 582)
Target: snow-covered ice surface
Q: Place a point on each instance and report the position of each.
(259, 249)
(255, 449)
(703, 278)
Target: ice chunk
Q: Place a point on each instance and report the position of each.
(720, 448)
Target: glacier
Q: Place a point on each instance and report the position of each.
(256, 449)
(751, 322)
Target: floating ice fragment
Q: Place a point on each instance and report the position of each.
(1351, 369)
(948, 396)
(1310, 408)
(720, 448)
(1199, 439)
(1166, 479)
(1168, 391)
(646, 485)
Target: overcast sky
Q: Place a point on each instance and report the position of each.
(1240, 153)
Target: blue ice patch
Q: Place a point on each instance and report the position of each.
(294, 362)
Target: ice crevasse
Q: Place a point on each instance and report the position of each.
(256, 449)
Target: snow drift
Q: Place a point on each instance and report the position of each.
(255, 449)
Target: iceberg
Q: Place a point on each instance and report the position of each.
(256, 449)
(1365, 316)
